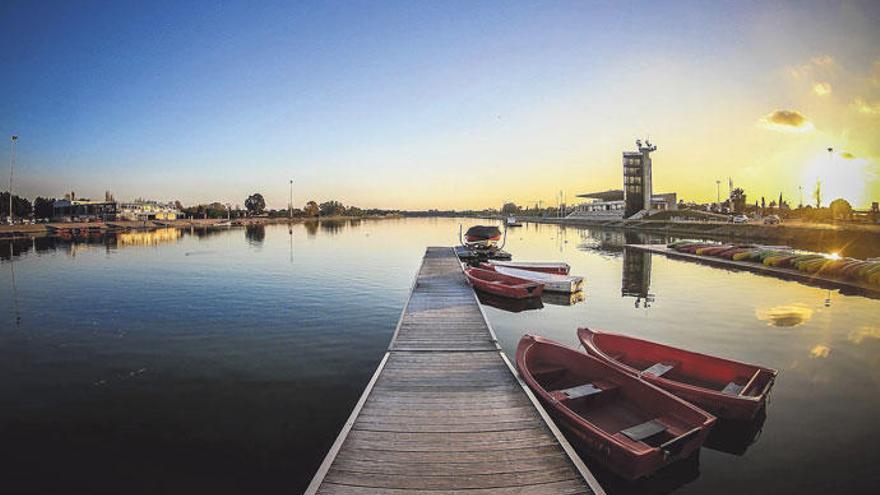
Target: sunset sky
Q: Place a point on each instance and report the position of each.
(446, 104)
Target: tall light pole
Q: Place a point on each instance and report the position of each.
(11, 174)
(718, 191)
(801, 190)
(290, 202)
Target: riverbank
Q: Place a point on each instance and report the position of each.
(44, 229)
(860, 241)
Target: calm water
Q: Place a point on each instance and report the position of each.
(225, 361)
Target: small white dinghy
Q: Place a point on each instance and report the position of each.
(552, 282)
(556, 267)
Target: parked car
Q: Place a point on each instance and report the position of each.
(740, 219)
(772, 220)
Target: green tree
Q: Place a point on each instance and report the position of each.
(20, 206)
(255, 204)
(510, 209)
(331, 208)
(738, 198)
(840, 209)
(311, 209)
(43, 207)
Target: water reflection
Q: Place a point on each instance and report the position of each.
(332, 227)
(508, 304)
(636, 280)
(865, 332)
(148, 238)
(820, 351)
(255, 234)
(311, 228)
(788, 315)
(735, 437)
(562, 299)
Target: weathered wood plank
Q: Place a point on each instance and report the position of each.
(444, 414)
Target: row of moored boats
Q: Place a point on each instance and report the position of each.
(635, 405)
(513, 279)
(830, 266)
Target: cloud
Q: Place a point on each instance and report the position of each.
(786, 121)
(822, 88)
(822, 61)
(847, 155)
(866, 107)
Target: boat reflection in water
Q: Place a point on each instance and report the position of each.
(562, 299)
(667, 480)
(508, 304)
(735, 437)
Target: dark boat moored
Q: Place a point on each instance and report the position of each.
(502, 285)
(482, 236)
(625, 423)
(729, 389)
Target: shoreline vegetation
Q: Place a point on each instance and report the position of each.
(46, 229)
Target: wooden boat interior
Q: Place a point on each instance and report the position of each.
(614, 403)
(728, 377)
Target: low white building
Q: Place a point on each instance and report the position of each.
(142, 210)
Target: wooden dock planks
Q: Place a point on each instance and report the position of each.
(444, 412)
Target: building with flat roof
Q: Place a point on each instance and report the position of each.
(75, 210)
(637, 197)
(144, 210)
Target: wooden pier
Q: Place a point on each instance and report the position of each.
(445, 412)
(814, 279)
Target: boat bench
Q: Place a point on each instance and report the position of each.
(659, 369)
(644, 430)
(580, 391)
(732, 388)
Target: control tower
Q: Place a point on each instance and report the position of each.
(637, 188)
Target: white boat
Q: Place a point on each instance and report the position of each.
(552, 282)
(511, 222)
(556, 267)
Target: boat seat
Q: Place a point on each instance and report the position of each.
(732, 388)
(644, 430)
(660, 369)
(580, 391)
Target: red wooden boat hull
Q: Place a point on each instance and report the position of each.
(617, 405)
(697, 378)
(502, 285)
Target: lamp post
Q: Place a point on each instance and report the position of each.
(290, 202)
(718, 192)
(11, 174)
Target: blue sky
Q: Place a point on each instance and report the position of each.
(420, 104)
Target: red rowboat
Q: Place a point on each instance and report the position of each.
(729, 389)
(502, 285)
(629, 425)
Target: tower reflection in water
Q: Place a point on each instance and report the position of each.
(636, 279)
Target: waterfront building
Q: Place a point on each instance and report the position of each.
(77, 210)
(144, 210)
(636, 199)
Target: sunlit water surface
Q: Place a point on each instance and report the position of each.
(225, 361)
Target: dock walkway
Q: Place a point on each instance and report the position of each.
(445, 413)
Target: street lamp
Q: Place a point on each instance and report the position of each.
(718, 191)
(290, 202)
(11, 173)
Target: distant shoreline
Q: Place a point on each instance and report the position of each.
(852, 239)
(47, 229)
